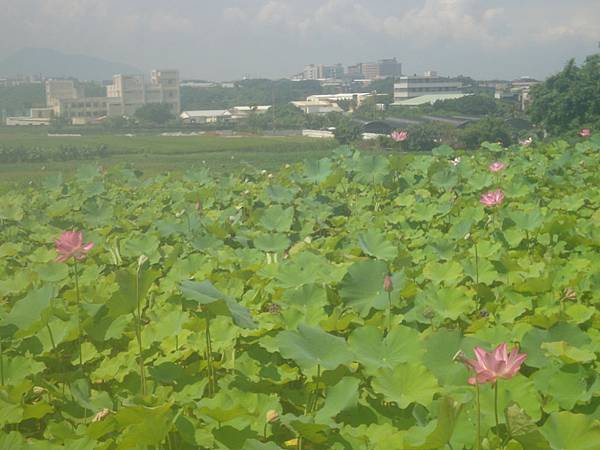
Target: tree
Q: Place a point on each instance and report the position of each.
(154, 113)
(478, 105)
(427, 136)
(570, 99)
(489, 129)
(347, 131)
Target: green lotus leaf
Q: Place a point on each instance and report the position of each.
(310, 347)
(207, 295)
(406, 384)
(271, 242)
(362, 287)
(438, 432)
(567, 431)
(374, 351)
(342, 396)
(275, 218)
(375, 244)
(316, 171)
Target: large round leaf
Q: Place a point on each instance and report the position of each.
(310, 347)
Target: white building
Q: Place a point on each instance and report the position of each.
(428, 84)
(317, 107)
(205, 116)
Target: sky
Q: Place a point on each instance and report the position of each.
(226, 40)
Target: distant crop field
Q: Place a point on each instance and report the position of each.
(154, 153)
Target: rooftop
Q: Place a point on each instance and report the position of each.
(428, 99)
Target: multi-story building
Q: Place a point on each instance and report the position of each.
(390, 68)
(429, 84)
(124, 96)
(57, 90)
(323, 72)
(371, 71)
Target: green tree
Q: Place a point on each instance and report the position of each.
(477, 105)
(154, 113)
(570, 99)
(347, 131)
(426, 136)
(489, 129)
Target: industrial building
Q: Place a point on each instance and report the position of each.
(429, 84)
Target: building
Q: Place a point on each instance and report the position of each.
(323, 72)
(242, 112)
(428, 99)
(390, 68)
(124, 96)
(317, 107)
(205, 117)
(37, 116)
(357, 97)
(428, 84)
(370, 71)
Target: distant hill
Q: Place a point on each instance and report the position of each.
(55, 64)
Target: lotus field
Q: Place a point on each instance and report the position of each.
(361, 301)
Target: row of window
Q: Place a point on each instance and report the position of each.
(428, 89)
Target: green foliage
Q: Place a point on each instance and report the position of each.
(273, 289)
(347, 131)
(248, 93)
(154, 113)
(489, 129)
(570, 99)
(17, 100)
(476, 105)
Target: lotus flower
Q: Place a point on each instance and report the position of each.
(586, 132)
(456, 161)
(570, 294)
(497, 166)
(489, 366)
(399, 136)
(70, 244)
(492, 198)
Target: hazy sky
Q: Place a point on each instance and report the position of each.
(274, 38)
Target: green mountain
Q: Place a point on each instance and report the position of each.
(55, 64)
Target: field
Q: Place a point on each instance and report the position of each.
(324, 307)
(153, 154)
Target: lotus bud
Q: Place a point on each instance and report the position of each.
(143, 259)
(388, 285)
(101, 415)
(198, 206)
(272, 416)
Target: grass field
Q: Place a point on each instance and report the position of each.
(153, 153)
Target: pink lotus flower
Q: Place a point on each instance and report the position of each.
(497, 166)
(586, 132)
(70, 244)
(399, 136)
(489, 366)
(492, 198)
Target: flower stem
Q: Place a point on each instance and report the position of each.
(51, 336)
(478, 417)
(389, 325)
(496, 411)
(76, 270)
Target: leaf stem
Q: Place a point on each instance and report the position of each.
(1, 363)
(389, 325)
(138, 332)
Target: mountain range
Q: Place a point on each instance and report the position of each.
(55, 64)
